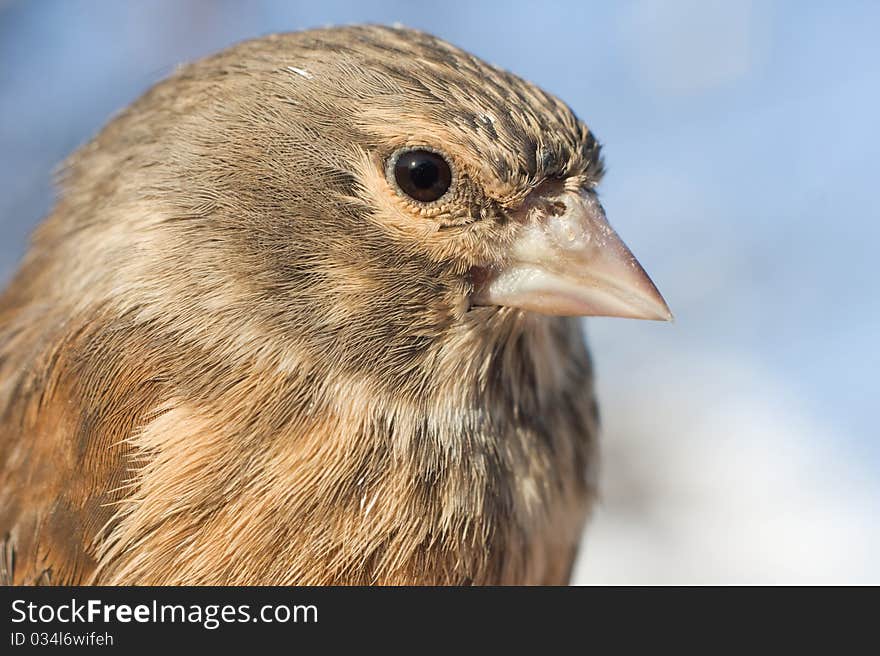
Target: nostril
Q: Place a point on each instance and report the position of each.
(543, 209)
(556, 208)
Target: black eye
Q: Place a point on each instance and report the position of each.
(422, 175)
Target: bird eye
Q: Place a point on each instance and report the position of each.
(423, 175)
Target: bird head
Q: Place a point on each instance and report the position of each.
(364, 192)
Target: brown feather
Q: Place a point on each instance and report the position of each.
(235, 355)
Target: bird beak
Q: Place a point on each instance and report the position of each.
(566, 260)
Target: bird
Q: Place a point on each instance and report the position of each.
(308, 312)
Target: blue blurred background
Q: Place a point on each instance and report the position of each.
(741, 138)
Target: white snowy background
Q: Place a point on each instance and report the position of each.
(742, 141)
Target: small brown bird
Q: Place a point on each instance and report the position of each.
(302, 315)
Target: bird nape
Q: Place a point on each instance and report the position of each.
(304, 313)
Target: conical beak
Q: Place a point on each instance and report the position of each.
(567, 261)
